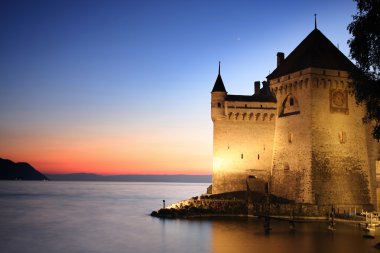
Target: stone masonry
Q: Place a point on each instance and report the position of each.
(301, 132)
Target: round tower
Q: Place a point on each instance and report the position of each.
(218, 96)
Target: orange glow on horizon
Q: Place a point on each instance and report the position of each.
(127, 154)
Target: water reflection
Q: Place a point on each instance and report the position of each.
(103, 217)
(249, 236)
(184, 236)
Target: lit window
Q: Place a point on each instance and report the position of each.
(342, 137)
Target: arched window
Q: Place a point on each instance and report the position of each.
(219, 105)
(289, 106)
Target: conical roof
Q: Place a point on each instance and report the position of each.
(219, 85)
(314, 51)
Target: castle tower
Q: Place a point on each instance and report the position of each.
(322, 150)
(218, 95)
(243, 136)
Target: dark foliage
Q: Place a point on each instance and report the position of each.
(365, 50)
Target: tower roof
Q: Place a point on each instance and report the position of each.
(314, 51)
(264, 95)
(219, 85)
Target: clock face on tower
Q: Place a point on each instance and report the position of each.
(338, 101)
(338, 98)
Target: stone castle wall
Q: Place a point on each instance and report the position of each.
(327, 157)
(373, 148)
(243, 144)
(292, 143)
(340, 166)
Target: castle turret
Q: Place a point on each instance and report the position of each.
(218, 96)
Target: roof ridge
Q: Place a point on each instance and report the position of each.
(316, 50)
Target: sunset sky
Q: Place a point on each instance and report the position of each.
(123, 87)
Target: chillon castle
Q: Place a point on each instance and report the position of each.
(301, 133)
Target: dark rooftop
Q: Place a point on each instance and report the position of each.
(264, 96)
(314, 51)
(219, 85)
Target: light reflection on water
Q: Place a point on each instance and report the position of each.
(248, 236)
(114, 217)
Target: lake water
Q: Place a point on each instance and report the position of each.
(114, 217)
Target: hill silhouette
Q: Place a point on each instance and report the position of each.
(10, 170)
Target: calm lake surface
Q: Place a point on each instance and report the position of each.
(114, 217)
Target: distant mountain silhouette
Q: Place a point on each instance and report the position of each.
(19, 171)
(131, 178)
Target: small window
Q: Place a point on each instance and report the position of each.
(291, 101)
(342, 137)
(219, 105)
(245, 105)
(290, 137)
(258, 156)
(242, 156)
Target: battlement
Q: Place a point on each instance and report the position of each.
(310, 78)
(258, 116)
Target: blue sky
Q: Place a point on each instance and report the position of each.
(124, 86)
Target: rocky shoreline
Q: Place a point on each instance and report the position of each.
(253, 205)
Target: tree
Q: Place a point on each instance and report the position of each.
(365, 50)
